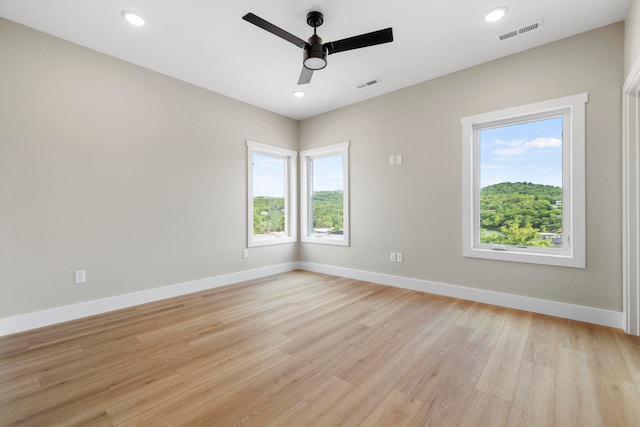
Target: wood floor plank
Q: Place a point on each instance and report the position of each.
(576, 394)
(331, 327)
(534, 398)
(317, 358)
(448, 389)
(18, 389)
(489, 326)
(217, 357)
(619, 401)
(376, 316)
(48, 406)
(485, 410)
(314, 403)
(397, 409)
(500, 375)
(372, 355)
(357, 405)
(629, 347)
(305, 348)
(545, 338)
(603, 361)
(37, 361)
(280, 390)
(435, 330)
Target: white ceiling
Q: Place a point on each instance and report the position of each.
(206, 43)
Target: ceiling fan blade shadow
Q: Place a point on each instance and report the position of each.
(305, 76)
(363, 40)
(276, 31)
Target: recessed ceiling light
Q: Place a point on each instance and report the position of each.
(133, 18)
(495, 14)
(298, 94)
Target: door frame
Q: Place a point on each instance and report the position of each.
(631, 200)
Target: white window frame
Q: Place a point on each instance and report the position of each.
(306, 227)
(572, 254)
(290, 201)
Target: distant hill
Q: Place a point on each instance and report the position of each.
(539, 190)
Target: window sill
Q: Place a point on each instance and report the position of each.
(559, 260)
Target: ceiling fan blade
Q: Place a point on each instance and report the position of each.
(363, 40)
(305, 76)
(277, 31)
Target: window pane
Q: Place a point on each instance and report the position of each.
(269, 187)
(327, 196)
(521, 184)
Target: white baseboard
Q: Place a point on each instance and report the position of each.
(24, 322)
(598, 316)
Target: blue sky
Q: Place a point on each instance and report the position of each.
(268, 176)
(327, 173)
(269, 173)
(525, 152)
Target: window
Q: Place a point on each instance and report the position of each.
(524, 183)
(271, 195)
(324, 210)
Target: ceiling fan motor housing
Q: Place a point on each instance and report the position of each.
(315, 55)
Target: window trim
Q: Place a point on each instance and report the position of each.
(290, 201)
(305, 221)
(573, 182)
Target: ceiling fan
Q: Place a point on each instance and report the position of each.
(315, 52)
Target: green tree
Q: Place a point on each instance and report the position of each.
(513, 234)
(328, 210)
(515, 213)
(268, 215)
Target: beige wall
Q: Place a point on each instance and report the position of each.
(632, 36)
(138, 178)
(415, 208)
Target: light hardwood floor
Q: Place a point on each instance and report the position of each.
(306, 349)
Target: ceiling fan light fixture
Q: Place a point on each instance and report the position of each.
(315, 55)
(315, 63)
(495, 14)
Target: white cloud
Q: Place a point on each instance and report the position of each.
(520, 147)
(545, 143)
(510, 152)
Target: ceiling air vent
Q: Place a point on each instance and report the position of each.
(369, 83)
(522, 30)
(508, 35)
(531, 27)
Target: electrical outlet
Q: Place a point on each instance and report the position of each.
(400, 257)
(81, 276)
(398, 159)
(392, 257)
(392, 160)
(245, 253)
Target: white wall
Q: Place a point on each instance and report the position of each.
(415, 208)
(137, 178)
